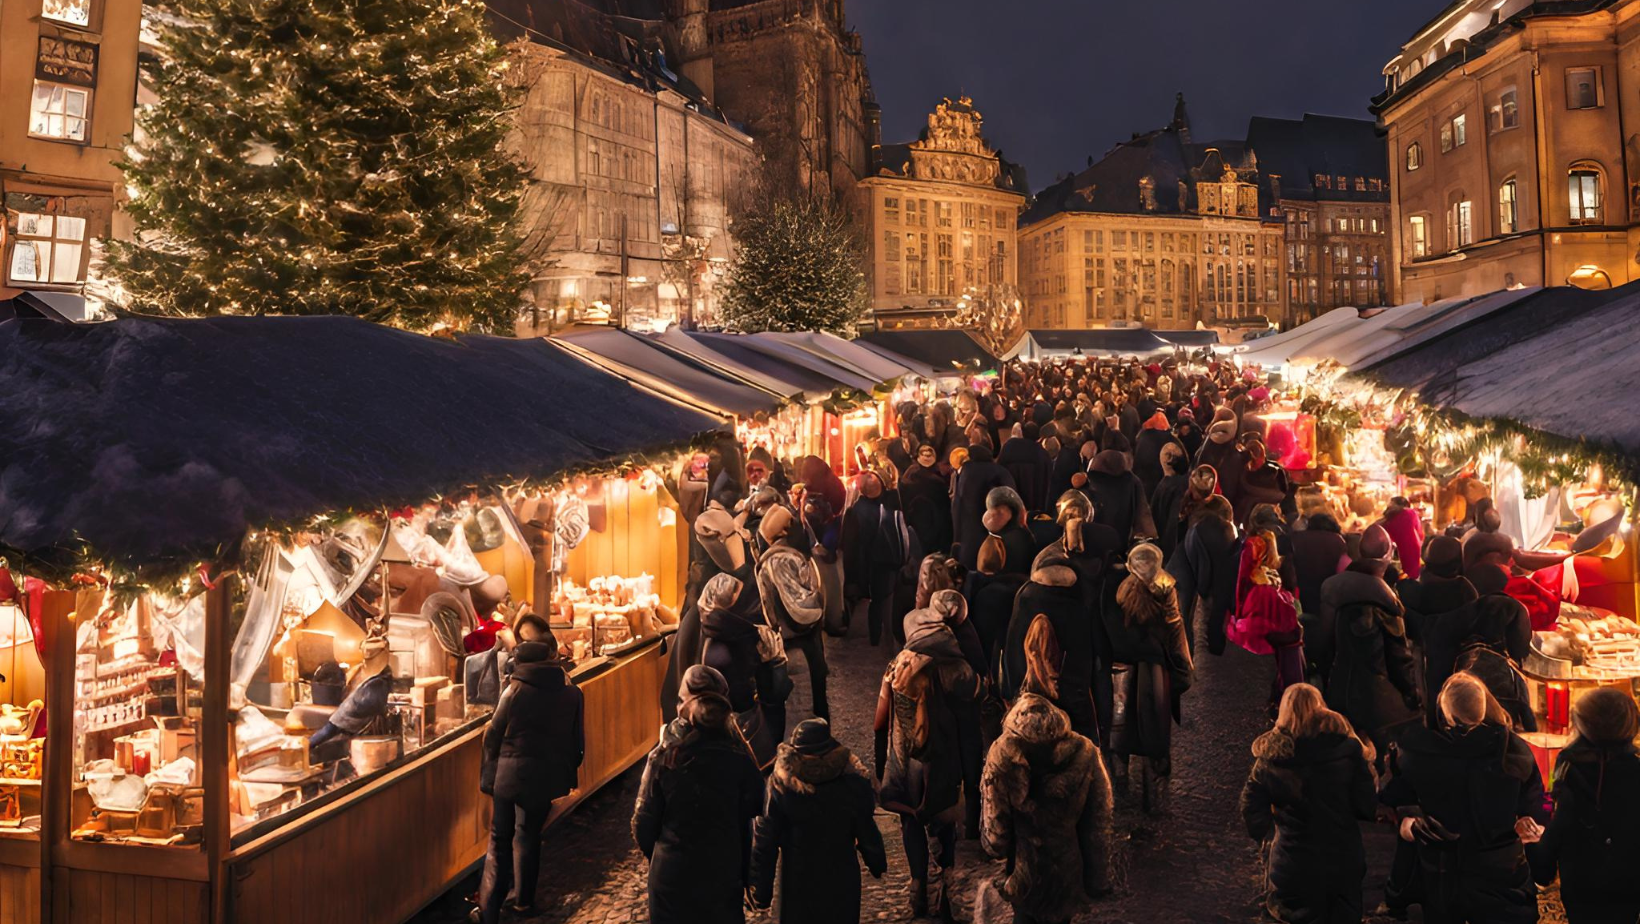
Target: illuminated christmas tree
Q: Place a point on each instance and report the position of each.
(797, 269)
(334, 157)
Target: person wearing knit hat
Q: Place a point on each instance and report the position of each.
(819, 813)
(1439, 590)
(693, 818)
(1596, 779)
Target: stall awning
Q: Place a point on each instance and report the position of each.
(1387, 332)
(824, 376)
(948, 351)
(1105, 342)
(150, 444)
(1575, 379)
(639, 359)
(1276, 349)
(1190, 339)
(851, 356)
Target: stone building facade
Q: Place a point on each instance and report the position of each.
(68, 76)
(1162, 232)
(1329, 177)
(634, 179)
(794, 74)
(941, 217)
(1514, 137)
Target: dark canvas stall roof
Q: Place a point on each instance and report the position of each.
(1190, 338)
(814, 377)
(685, 346)
(945, 350)
(852, 356)
(1123, 340)
(1525, 319)
(152, 443)
(1567, 380)
(634, 357)
(917, 367)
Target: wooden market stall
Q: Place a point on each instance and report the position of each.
(267, 585)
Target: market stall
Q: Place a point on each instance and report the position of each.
(1112, 342)
(276, 585)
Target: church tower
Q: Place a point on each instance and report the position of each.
(686, 39)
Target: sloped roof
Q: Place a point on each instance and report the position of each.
(641, 360)
(794, 358)
(1116, 341)
(151, 444)
(1190, 338)
(945, 350)
(845, 353)
(1299, 149)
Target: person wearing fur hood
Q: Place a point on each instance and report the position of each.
(1310, 788)
(1047, 799)
(1054, 591)
(1120, 500)
(1205, 567)
(1591, 841)
(789, 589)
(919, 754)
(820, 811)
(1373, 677)
(693, 818)
(1147, 638)
(948, 609)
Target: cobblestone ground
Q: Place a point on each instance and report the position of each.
(1192, 862)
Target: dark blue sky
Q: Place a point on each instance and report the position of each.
(1058, 80)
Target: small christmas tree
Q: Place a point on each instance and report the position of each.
(326, 157)
(798, 268)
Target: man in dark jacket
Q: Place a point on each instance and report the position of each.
(1147, 451)
(1028, 464)
(1167, 500)
(1119, 497)
(820, 811)
(1206, 567)
(1053, 592)
(875, 548)
(1438, 590)
(973, 483)
(1319, 552)
(532, 750)
(1489, 637)
(1373, 679)
(700, 791)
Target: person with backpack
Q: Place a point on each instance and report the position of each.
(750, 657)
(919, 755)
(820, 811)
(1490, 638)
(1593, 840)
(876, 547)
(1046, 798)
(1310, 788)
(789, 588)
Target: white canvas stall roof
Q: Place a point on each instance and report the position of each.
(1405, 333)
(1278, 348)
(1339, 343)
(917, 366)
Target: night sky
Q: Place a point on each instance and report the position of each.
(1058, 80)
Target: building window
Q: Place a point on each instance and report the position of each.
(59, 113)
(1583, 88)
(1505, 113)
(1460, 232)
(71, 12)
(891, 246)
(1584, 187)
(1454, 133)
(47, 250)
(943, 218)
(1415, 156)
(1418, 236)
(891, 210)
(1508, 214)
(1323, 180)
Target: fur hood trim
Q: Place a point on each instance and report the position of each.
(803, 773)
(1037, 733)
(1145, 602)
(1054, 575)
(1035, 719)
(1274, 744)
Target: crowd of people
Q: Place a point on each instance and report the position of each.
(1042, 555)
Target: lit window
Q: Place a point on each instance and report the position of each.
(1584, 187)
(1508, 215)
(1446, 137)
(1460, 232)
(1583, 88)
(47, 249)
(58, 112)
(1505, 113)
(1415, 156)
(72, 12)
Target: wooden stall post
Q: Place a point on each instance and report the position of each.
(58, 629)
(215, 743)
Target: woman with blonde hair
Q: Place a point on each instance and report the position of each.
(1470, 797)
(1310, 788)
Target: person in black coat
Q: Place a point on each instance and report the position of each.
(1053, 592)
(1593, 841)
(693, 818)
(1028, 464)
(979, 475)
(1072, 461)
(925, 496)
(1483, 637)
(1262, 481)
(1206, 567)
(1167, 501)
(820, 811)
(874, 551)
(1147, 451)
(1373, 679)
(1119, 497)
(1470, 795)
(1310, 788)
(734, 649)
(1439, 588)
(1319, 552)
(1147, 636)
(532, 750)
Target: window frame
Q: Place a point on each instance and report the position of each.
(1504, 113)
(53, 240)
(84, 117)
(1414, 156)
(1577, 203)
(1509, 206)
(1599, 97)
(91, 11)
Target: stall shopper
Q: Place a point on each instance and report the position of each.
(819, 813)
(969, 490)
(1147, 644)
(1372, 679)
(876, 547)
(693, 819)
(789, 589)
(925, 496)
(532, 750)
(1205, 568)
(751, 659)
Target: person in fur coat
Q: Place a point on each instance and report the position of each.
(693, 818)
(820, 811)
(1310, 788)
(1147, 636)
(1047, 804)
(1119, 497)
(1054, 592)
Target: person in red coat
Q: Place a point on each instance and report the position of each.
(1406, 530)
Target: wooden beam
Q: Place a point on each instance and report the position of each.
(214, 737)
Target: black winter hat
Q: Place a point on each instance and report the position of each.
(812, 736)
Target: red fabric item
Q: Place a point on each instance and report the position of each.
(1539, 592)
(1261, 609)
(482, 638)
(1406, 530)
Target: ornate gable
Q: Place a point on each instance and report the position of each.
(954, 147)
